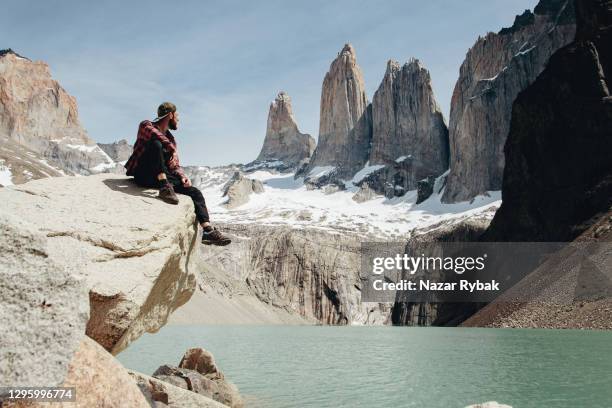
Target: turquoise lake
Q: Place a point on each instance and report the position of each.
(322, 366)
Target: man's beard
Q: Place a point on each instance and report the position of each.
(172, 125)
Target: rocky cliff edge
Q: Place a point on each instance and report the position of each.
(132, 251)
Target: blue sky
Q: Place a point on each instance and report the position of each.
(222, 62)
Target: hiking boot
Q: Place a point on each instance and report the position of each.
(215, 237)
(167, 194)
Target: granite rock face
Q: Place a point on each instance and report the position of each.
(409, 135)
(558, 172)
(406, 313)
(307, 272)
(44, 308)
(345, 127)
(284, 142)
(407, 122)
(134, 252)
(22, 164)
(37, 113)
(205, 177)
(118, 151)
(496, 69)
(402, 129)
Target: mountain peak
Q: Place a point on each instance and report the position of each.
(348, 49)
(392, 66)
(343, 105)
(414, 63)
(282, 97)
(9, 51)
(283, 141)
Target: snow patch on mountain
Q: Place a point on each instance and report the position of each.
(6, 177)
(320, 171)
(288, 201)
(367, 170)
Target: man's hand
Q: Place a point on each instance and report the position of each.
(186, 182)
(173, 161)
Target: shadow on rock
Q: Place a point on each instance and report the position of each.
(128, 186)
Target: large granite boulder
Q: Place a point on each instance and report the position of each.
(393, 179)
(407, 122)
(44, 307)
(283, 142)
(558, 171)
(496, 69)
(37, 113)
(425, 188)
(100, 380)
(201, 361)
(161, 394)
(365, 193)
(239, 188)
(198, 373)
(345, 126)
(133, 250)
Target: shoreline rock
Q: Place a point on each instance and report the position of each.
(197, 377)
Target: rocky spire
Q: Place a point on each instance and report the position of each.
(496, 69)
(407, 121)
(345, 126)
(283, 140)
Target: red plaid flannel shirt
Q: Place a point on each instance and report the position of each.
(146, 132)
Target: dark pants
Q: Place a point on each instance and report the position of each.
(152, 163)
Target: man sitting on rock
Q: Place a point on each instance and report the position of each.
(155, 163)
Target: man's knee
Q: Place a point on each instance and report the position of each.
(195, 193)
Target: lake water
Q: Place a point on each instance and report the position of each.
(319, 366)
